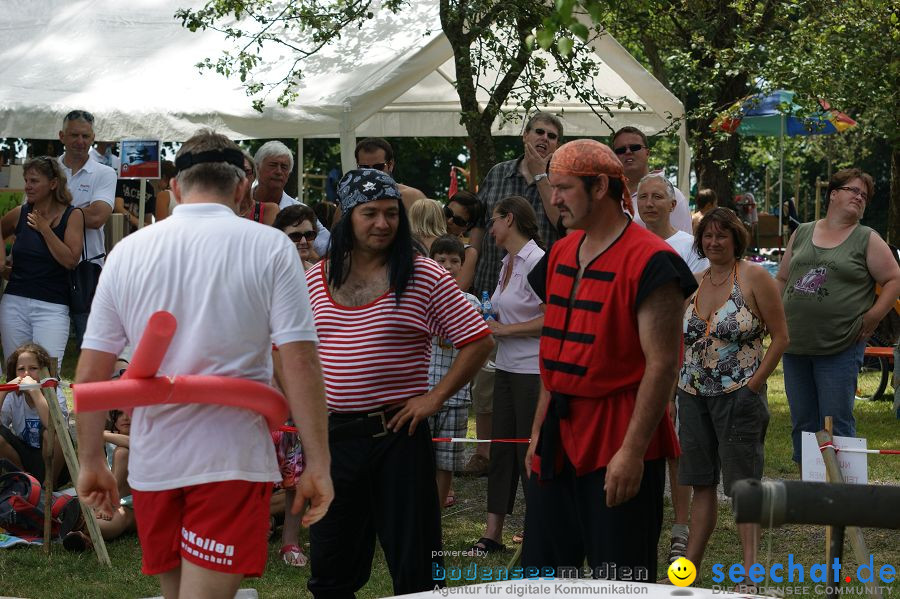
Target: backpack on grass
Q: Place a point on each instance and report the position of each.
(22, 506)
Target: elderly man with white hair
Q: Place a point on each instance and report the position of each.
(274, 163)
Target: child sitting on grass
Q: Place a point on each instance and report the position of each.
(116, 438)
(24, 416)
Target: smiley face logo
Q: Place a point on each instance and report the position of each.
(682, 572)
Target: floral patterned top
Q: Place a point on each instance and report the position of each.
(721, 354)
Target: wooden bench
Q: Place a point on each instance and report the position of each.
(880, 352)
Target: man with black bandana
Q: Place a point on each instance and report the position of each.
(609, 357)
(201, 474)
(377, 305)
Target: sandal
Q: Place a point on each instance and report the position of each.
(293, 556)
(450, 501)
(485, 545)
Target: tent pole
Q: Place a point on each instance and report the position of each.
(684, 161)
(781, 239)
(348, 139)
(301, 173)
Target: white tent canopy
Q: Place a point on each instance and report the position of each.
(133, 66)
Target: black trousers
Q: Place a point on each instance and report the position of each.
(567, 521)
(385, 488)
(515, 399)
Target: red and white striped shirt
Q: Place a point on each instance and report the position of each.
(378, 354)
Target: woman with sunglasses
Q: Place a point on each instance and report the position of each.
(462, 212)
(261, 212)
(49, 242)
(299, 223)
(517, 331)
(827, 278)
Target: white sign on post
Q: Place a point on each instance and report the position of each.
(854, 467)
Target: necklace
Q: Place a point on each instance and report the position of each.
(720, 283)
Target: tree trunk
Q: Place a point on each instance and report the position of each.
(482, 149)
(893, 228)
(714, 164)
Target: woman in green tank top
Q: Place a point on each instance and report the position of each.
(827, 278)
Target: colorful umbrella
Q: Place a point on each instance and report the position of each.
(775, 115)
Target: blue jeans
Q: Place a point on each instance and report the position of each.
(820, 386)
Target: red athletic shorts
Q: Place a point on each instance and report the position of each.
(221, 526)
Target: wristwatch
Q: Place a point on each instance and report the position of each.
(540, 176)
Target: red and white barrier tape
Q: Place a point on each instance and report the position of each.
(466, 440)
(858, 450)
(43, 384)
(293, 429)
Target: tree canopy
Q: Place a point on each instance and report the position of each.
(493, 43)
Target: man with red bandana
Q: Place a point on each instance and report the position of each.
(609, 357)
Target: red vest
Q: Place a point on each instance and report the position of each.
(591, 348)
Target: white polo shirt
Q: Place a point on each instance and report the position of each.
(94, 182)
(235, 287)
(680, 217)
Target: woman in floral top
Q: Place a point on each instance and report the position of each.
(722, 405)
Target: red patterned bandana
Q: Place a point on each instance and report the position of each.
(589, 158)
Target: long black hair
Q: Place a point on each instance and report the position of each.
(401, 255)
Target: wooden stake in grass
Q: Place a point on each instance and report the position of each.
(829, 530)
(833, 472)
(68, 450)
(47, 453)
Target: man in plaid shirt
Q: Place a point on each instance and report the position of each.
(525, 176)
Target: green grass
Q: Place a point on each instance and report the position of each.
(27, 572)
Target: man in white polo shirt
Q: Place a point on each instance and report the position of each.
(204, 472)
(93, 189)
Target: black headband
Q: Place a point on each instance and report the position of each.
(229, 155)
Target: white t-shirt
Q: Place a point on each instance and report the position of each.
(235, 287)
(94, 182)
(24, 420)
(683, 243)
(680, 217)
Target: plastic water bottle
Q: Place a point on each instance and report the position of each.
(487, 309)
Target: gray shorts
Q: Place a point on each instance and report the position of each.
(483, 392)
(722, 432)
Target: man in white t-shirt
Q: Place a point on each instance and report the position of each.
(630, 145)
(202, 474)
(274, 164)
(93, 189)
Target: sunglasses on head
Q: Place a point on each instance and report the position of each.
(298, 235)
(378, 166)
(79, 115)
(453, 218)
(550, 134)
(632, 147)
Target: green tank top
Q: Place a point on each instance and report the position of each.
(827, 292)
